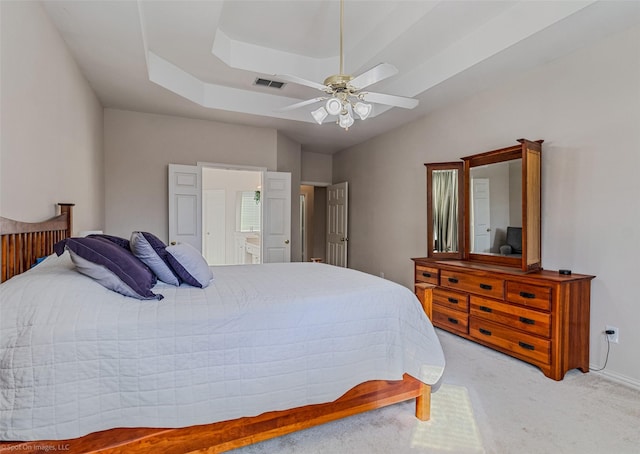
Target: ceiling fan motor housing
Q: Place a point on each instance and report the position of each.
(338, 81)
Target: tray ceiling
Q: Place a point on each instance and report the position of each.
(200, 59)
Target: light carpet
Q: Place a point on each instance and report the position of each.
(488, 403)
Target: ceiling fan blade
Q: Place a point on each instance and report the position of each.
(301, 104)
(300, 81)
(390, 100)
(375, 74)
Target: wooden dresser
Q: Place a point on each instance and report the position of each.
(540, 317)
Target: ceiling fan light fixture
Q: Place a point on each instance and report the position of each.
(319, 115)
(333, 106)
(345, 120)
(363, 110)
(345, 96)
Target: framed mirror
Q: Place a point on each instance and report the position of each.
(445, 205)
(502, 206)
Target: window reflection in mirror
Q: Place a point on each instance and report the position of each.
(445, 204)
(445, 210)
(495, 199)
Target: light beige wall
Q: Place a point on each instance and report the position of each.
(316, 168)
(139, 147)
(586, 107)
(51, 147)
(290, 160)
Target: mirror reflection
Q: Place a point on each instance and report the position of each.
(445, 210)
(495, 221)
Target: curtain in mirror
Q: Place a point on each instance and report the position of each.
(445, 210)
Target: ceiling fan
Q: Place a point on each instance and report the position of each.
(345, 94)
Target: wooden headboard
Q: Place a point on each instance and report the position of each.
(24, 242)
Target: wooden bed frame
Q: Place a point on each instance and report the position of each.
(22, 243)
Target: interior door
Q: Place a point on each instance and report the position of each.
(337, 214)
(481, 215)
(185, 205)
(215, 221)
(276, 217)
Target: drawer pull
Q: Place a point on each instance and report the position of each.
(486, 309)
(526, 346)
(426, 274)
(485, 287)
(452, 300)
(527, 321)
(453, 280)
(528, 295)
(453, 320)
(486, 332)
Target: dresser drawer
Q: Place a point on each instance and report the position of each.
(529, 295)
(480, 285)
(451, 299)
(531, 321)
(427, 274)
(451, 320)
(515, 341)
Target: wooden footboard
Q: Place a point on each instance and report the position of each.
(424, 292)
(227, 435)
(24, 242)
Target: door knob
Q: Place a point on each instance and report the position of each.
(173, 243)
(286, 241)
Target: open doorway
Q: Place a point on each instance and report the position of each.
(313, 222)
(268, 240)
(231, 216)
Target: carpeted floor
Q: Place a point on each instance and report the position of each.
(488, 403)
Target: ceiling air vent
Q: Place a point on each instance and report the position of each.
(269, 83)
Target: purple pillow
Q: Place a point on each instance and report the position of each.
(151, 251)
(122, 242)
(112, 266)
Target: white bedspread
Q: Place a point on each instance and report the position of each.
(76, 358)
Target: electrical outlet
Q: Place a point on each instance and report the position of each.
(613, 338)
(382, 274)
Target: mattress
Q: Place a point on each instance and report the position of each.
(76, 358)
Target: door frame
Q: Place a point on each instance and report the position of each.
(213, 165)
(265, 175)
(316, 184)
(268, 178)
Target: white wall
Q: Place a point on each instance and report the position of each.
(586, 107)
(139, 147)
(51, 124)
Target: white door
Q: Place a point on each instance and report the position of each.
(481, 236)
(214, 215)
(276, 217)
(185, 206)
(337, 213)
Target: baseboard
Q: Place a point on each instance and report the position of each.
(613, 376)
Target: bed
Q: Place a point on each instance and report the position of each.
(263, 351)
